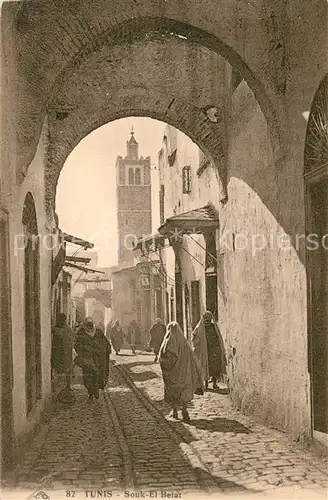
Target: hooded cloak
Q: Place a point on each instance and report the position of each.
(181, 373)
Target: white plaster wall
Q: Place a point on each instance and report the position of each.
(204, 189)
(262, 306)
(33, 183)
(262, 296)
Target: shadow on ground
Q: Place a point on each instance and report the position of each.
(219, 390)
(220, 425)
(151, 442)
(211, 425)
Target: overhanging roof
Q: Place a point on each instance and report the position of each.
(77, 241)
(73, 258)
(82, 268)
(155, 240)
(199, 220)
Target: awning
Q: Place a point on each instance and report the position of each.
(73, 258)
(200, 220)
(77, 241)
(154, 241)
(82, 268)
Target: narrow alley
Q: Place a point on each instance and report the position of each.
(128, 441)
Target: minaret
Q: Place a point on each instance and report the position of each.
(132, 147)
(133, 187)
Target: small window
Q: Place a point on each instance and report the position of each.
(172, 157)
(186, 179)
(146, 172)
(122, 175)
(131, 176)
(137, 178)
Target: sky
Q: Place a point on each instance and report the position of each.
(86, 192)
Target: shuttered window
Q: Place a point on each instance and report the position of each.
(186, 179)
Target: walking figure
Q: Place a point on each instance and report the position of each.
(181, 373)
(117, 337)
(62, 348)
(209, 349)
(93, 352)
(157, 333)
(133, 335)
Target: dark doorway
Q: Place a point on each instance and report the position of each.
(33, 379)
(167, 301)
(7, 430)
(187, 310)
(195, 303)
(159, 304)
(147, 309)
(318, 265)
(178, 299)
(211, 280)
(172, 317)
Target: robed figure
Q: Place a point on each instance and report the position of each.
(93, 352)
(133, 335)
(157, 333)
(209, 349)
(181, 373)
(62, 348)
(117, 337)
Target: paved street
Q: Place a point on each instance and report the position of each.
(127, 440)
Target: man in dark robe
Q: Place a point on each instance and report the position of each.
(62, 348)
(209, 349)
(117, 337)
(133, 335)
(157, 334)
(93, 350)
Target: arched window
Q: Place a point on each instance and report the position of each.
(131, 176)
(33, 381)
(137, 179)
(122, 174)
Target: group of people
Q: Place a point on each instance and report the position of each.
(186, 366)
(117, 336)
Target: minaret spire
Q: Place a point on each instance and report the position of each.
(132, 146)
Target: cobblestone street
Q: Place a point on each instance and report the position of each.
(127, 440)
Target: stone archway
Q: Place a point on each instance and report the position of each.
(169, 80)
(48, 39)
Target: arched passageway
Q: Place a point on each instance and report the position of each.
(61, 36)
(226, 74)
